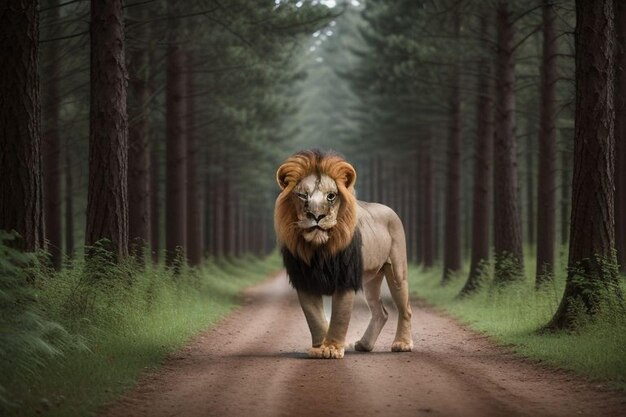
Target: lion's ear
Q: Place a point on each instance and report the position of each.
(284, 175)
(347, 173)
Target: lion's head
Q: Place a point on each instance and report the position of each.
(316, 209)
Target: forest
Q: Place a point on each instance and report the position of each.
(139, 142)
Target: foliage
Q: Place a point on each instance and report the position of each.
(598, 292)
(28, 338)
(73, 343)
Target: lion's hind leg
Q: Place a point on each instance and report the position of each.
(396, 272)
(371, 290)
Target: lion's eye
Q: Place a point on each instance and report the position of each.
(302, 196)
(331, 196)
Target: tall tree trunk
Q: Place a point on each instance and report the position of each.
(209, 190)
(155, 203)
(217, 206)
(530, 176)
(194, 215)
(420, 190)
(51, 148)
(620, 135)
(229, 215)
(238, 235)
(566, 183)
(415, 211)
(452, 235)
(508, 253)
(139, 142)
(427, 230)
(372, 172)
(176, 152)
(218, 223)
(437, 222)
(21, 199)
(483, 157)
(546, 197)
(380, 180)
(107, 198)
(466, 187)
(592, 281)
(407, 204)
(156, 165)
(69, 204)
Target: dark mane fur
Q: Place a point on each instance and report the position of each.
(327, 274)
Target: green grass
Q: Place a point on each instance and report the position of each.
(513, 316)
(120, 327)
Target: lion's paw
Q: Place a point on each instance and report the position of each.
(361, 346)
(327, 351)
(402, 346)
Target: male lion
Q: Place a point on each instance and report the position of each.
(333, 244)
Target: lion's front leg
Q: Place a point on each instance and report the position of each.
(334, 343)
(313, 308)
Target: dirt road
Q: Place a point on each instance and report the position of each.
(254, 364)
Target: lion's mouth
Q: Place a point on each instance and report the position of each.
(316, 227)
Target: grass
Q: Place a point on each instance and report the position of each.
(514, 316)
(120, 327)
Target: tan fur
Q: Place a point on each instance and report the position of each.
(288, 175)
(384, 253)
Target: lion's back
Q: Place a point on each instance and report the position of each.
(380, 227)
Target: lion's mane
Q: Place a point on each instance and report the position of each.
(297, 167)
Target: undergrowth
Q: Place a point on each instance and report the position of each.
(69, 343)
(514, 315)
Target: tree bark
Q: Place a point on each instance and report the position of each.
(21, 196)
(194, 214)
(51, 149)
(207, 219)
(592, 281)
(483, 157)
(139, 142)
(417, 254)
(413, 209)
(229, 215)
(427, 222)
(380, 180)
(452, 235)
(437, 223)
(508, 253)
(620, 135)
(176, 153)
(69, 204)
(155, 203)
(530, 177)
(238, 223)
(546, 197)
(218, 205)
(107, 195)
(219, 229)
(566, 183)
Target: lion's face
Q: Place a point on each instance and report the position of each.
(316, 209)
(317, 202)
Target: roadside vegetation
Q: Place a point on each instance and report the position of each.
(69, 344)
(516, 315)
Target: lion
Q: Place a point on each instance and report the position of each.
(332, 244)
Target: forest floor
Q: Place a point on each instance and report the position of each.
(254, 363)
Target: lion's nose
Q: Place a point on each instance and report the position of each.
(313, 217)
